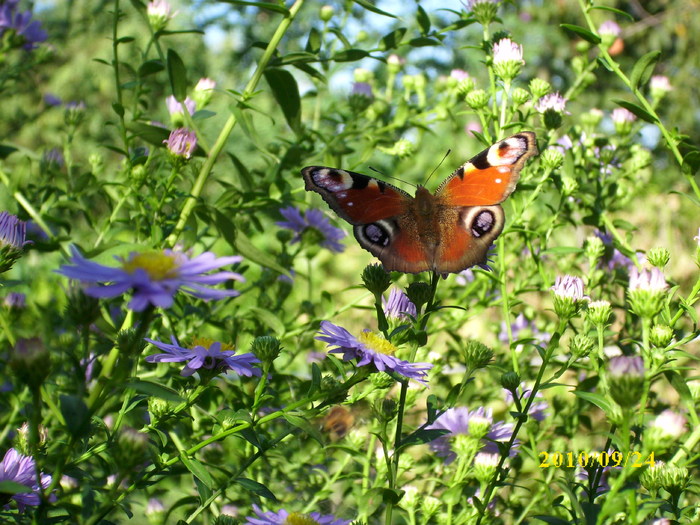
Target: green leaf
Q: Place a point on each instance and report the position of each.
(270, 319)
(643, 69)
(313, 44)
(286, 92)
(423, 20)
(304, 425)
(150, 67)
(269, 6)
(637, 110)
(613, 10)
(76, 415)
(12, 487)
(152, 134)
(392, 496)
(6, 150)
(393, 39)
(679, 385)
(155, 390)
(424, 41)
(582, 32)
(371, 7)
(250, 252)
(256, 488)
(691, 162)
(420, 437)
(197, 470)
(177, 75)
(350, 55)
(118, 108)
(597, 399)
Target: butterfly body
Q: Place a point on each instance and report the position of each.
(445, 232)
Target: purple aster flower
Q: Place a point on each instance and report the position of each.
(205, 354)
(585, 475)
(609, 27)
(21, 469)
(362, 89)
(399, 306)
(537, 409)
(315, 219)
(518, 326)
(154, 276)
(457, 419)
(505, 50)
(552, 101)
(370, 348)
(569, 286)
(175, 107)
(15, 300)
(52, 100)
(181, 142)
(651, 280)
(12, 232)
(622, 115)
(625, 365)
(282, 517)
(29, 32)
(465, 277)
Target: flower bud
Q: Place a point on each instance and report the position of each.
(626, 379)
(419, 293)
(592, 118)
(594, 250)
(599, 313)
(520, 96)
(551, 159)
(581, 345)
(203, 92)
(510, 381)
(382, 380)
(539, 88)
(476, 354)
(646, 291)
(266, 348)
(661, 335)
(659, 86)
(477, 99)
(568, 296)
(658, 257)
(326, 13)
(485, 466)
(376, 279)
(30, 361)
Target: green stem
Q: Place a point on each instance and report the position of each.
(203, 175)
(551, 347)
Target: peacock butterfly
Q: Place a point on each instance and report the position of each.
(446, 232)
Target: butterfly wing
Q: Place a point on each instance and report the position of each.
(380, 214)
(469, 215)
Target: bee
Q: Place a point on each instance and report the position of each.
(337, 422)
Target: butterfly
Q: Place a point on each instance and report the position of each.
(445, 232)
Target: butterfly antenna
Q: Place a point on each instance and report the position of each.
(438, 166)
(384, 175)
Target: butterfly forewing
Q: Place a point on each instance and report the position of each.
(489, 177)
(357, 198)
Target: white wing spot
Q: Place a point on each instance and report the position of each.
(498, 181)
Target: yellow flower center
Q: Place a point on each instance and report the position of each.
(157, 265)
(206, 343)
(295, 518)
(376, 343)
